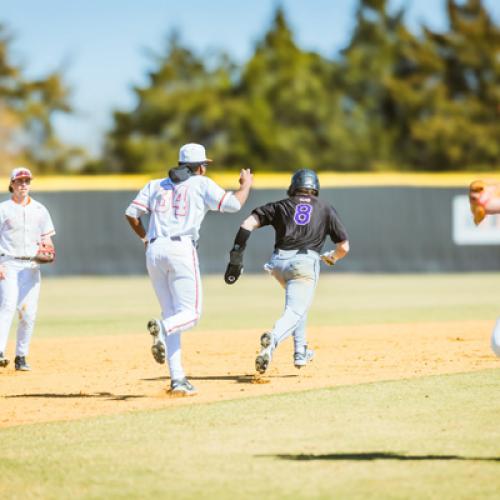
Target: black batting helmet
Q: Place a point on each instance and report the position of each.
(304, 179)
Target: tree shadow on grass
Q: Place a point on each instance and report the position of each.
(76, 395)
(380, 455)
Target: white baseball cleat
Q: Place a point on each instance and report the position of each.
(301, 359)
(182, 387)
(158, 349)
(265, 355)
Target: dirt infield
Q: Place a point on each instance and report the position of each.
(83, 377)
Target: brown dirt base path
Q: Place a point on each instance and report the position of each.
(83, 377)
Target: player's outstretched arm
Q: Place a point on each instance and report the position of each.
(341, 250)
(235, 266)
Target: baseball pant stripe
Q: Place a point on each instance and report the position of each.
(190, 322)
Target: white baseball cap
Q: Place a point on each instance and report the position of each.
(20, 173)
(192, 153)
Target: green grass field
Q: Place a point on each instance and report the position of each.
(101, 306)
(430, 437)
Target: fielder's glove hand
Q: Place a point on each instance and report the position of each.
(477, 200)
(484, 199)
(328, 258)
(235, 267)
(46, 254)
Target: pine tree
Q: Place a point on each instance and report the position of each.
(183, 101)
(460, 128)
(374, 58)
(27, 108)
(286, 104)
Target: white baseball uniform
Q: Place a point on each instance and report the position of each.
(176, 213)
(495, 338)
(22, 228)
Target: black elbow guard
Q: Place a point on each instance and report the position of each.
(240, 242)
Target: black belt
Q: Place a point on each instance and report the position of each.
(301, 250)
(173, 238)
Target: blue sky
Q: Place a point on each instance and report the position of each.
(100, 43)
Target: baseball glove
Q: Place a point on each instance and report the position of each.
(484, 198)
(46, 254)
(477, 200)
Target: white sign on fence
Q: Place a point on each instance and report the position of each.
(465, 232)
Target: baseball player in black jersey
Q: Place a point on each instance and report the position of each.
(302, 222)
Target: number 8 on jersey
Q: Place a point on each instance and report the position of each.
(303, 213)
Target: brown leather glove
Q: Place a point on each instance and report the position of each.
(46, 254)
(477, 199)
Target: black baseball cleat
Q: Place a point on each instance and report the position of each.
(158, 349)
(264, 358)
(261, 363)
(21, 364)
(265, 339)
(3, 361)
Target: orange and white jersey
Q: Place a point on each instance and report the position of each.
(179, 209)
(22, 227)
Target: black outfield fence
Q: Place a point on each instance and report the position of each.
(391, 229)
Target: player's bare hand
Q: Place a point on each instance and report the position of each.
(246, 177)
(3, 272)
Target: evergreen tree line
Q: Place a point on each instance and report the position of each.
(391, 99)
(27, 109)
